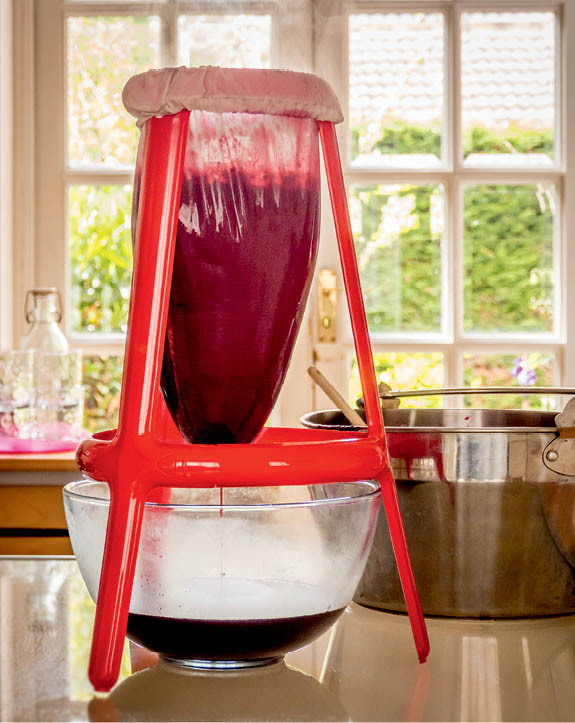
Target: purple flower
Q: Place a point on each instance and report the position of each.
(523, 373)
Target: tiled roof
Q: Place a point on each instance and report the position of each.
(397, 68)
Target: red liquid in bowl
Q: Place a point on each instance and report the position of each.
(228, 639)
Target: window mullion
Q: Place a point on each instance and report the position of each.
(568, 215)
(559, 151)
(292, 35)
(50, 107)
(454, 259)
(560, 256)
(449, 95)
(112, 9)
(205, 7)
(6, 186)
(104, 177)
(450, 300)
(456, 87)
(24, 165)
(458, 258)
(108, 346)
(394, 175)
(492, 345)
(169, 34)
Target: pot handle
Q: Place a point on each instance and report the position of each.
(559, 455)
(389, 395)
(475, 390)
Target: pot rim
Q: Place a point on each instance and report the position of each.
(307, 422)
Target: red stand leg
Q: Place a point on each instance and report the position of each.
(141, 406)
(118, 567)
(364, 354)
(391, 504)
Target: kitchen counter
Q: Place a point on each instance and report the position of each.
(57, 469)
(365, 668)
(39, 462)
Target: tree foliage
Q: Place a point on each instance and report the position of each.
(102, 380)
(398, 137)
(101, 257)
(509, 370)
(508, 266)
(515, 140)
(400, 257)
(103, 52)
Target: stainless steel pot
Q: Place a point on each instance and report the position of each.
(488, 505)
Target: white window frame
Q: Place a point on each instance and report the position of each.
(51, 15)
(6, 190)
(452, 342)
(40, 177)
(41, 252)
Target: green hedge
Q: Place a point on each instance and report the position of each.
(508, 242)
(399, 137)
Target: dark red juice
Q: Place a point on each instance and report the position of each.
(245, 252)
(242, 270)
(227, 639)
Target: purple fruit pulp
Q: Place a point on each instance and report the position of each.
(243, 265)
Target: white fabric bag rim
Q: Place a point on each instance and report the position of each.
(230, 90)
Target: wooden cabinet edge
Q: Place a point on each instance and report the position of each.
(60, 461)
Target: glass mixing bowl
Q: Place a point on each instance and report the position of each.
(235, 577)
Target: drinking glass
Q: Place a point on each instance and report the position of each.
(16, 379)
(58, 394)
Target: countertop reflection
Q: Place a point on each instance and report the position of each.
(364, 669)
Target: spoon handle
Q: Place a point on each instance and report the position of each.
(351, 415)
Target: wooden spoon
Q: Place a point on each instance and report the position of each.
(351, 415)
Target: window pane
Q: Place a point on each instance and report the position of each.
(509, 370)
(508, 258)
(100, 248)
(396, 88)
(398, 231)
(405, 370)
(102, 382)
(508, 87)
(232, 41)
(103, 52)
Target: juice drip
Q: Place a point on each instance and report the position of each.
(243, 265)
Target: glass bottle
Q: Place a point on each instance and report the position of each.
(43, 312)
(57, 403)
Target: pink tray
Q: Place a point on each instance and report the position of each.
(14, 445)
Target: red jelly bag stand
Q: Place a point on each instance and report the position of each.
(227, 204)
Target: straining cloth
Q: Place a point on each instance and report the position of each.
(230, 90)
